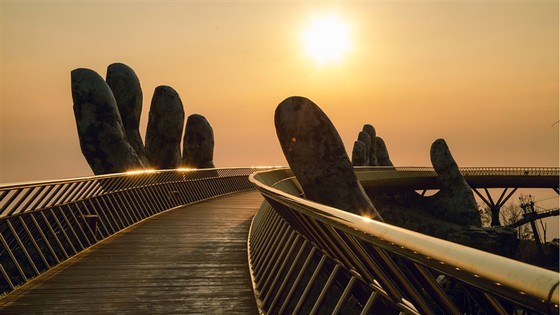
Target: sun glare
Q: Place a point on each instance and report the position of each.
(326, 39)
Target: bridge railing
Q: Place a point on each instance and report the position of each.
(45, 223)
(472, 171)
(309, 258)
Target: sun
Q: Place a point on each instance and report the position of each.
(326, 39)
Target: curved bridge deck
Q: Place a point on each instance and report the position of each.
(188, 260)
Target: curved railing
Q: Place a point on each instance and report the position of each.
(475, 171)
(392, 179)
(45, 223)
(309, 258)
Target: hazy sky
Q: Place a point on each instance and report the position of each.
(482, 75)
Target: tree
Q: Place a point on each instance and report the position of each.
(509, 214)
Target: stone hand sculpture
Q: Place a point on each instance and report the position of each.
(198, 143)
(100, 129)
(376, 153)
(381, 153)
(108, 116)
(359, 154)
(361, 150)
(317, 157)
(372, 156)
(165, 127)
(127, 91)
(455, 200)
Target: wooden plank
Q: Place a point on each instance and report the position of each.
(189, 260)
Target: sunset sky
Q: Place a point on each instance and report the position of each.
(481, 75)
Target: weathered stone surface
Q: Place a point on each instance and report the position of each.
(359, 153)
(317, 157)
(165, 127)
(198, 143)
(100, 129)
(412, 218)
(455, 201)
(382, 153)
(498, 240)
(127, 91)
(366, 139)
(372, 156)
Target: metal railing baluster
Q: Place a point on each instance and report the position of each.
(3, 194)
(387, 285)
(129, 204)
(156, 191)
(21, 200)
(297, 280)
(370, 302)
(62, 230)
(288, 275)
(13, 258)
(157, 202)
(106, 209)
(42, 196)
(62, 195)
(139, 195)
(52, 195)
(272, 224)
(279, 264)
(264, 218)
(485, 301)
(353, 255)
(124, 202)
(44, 237)
(344, 296)
(102, 219)
(79, 225)
(12, 198)
(97, 190)
(22, 247)
(120, 211)
(310, 284)
(145, 195)
(85, 191)
(397, 276)
(65, 218)
(38, 190)
(6, 277)
(72, 195)
(34, 242)
(271, 235)
(323, 293)
(432, 287)
(275, 247)
(49, 227)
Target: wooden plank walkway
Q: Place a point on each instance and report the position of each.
(188, 260)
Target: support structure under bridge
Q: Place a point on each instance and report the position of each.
(241, 240)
